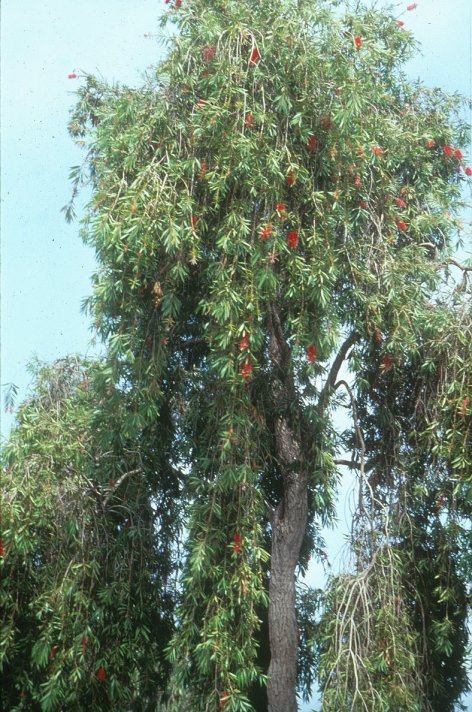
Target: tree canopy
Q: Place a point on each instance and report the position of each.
(275, 214)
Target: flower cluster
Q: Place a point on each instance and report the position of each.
(237, 542)
(292, 239)
(246, 369)
(311, 353)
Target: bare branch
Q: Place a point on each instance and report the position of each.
(118, 482)
(334, 370)
(348, 463)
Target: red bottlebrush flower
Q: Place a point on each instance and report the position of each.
(203, 170)
(73, 75)
(363, 204)
(377, 150)
(358, 182)
(249, 121)
(244, 343)
(194, 220)
(246, 369)
(101, 674)
(448, 150)
(401, 203)
(387, 362)
(266, 232)
(430, 143)
(411, 7)
(292, 239)
(311, 353)
(178, 3)
(111, 483)
(84, 642)
(2, 548)
(53, 652)
(280, 207)
(402, 225)
(200, 104)
(468, 171)
(464, 406)
(399, 23)
(224, 700)
(378, 336)
(209, 53)
(291, 178)
(254, 58)
(358, 41)
(458, 154)
(326, 123)
(237, 541)
(312, 143)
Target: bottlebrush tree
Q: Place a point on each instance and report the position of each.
(274, 215)
(87, 552)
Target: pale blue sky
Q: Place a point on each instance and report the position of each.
(45, 268)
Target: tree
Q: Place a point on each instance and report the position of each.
(273, 215)
(87, 553)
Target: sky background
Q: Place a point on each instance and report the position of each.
(45, 269)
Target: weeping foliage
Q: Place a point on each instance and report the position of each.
(87, 564)
(279, 162)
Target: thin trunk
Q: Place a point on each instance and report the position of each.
(288, 528)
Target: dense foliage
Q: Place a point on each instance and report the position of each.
(87, 551)
(276, 202)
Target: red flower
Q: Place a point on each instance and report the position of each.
(363, 204)
(72, 76)
(249, 121)
(458, 154)
(358, 41)
(312, 143)
(237, 540)
(246, 369)
(358, 182)
(401, 203)
(101, 674)
(224, 700)
(111, 483)
(468, 171)
(53, 652)
(378, 151)
(399, 23)
(2, 548)
(292, 239)
(311, 353)
(203, 170)
(194, 220)
(387, 362)
(430, 143)
(402, 225)
(448, 150)
(244, 343)
(413, 6)
(326, 123)
(255, 57)
(291, 178)
(84, 642)
(178, 3)
(280, 207)
(266, 232)
(209, 53)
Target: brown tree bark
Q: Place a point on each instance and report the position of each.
(288, 527)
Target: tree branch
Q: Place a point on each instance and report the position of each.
(334, 370)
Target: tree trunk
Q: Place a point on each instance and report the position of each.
(288, 528)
